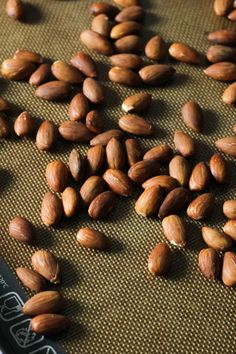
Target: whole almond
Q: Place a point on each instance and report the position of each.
(44, 302)
(46, 136)
(70, 202)
(94, 122)
(217, 53)
(79, 107)
(222, 7)
(102, 205)
(159, 261)
(49, 324)
(134, 124)
(227, 145)
(76, 165)
(184, 53)
(85, 64)
(223, 71)
(57, 175)
(174, 229)
(143, 170)
(155, 48)
(46, 264)
(4, 128)
(119, 182)
(209, 263)
(51, 209)
(167, 183)
(53, 91)
(103, 138)
(124, 29)
(229, 95)
(161, 153)
(24, 124)
(91, 238)
(184, 144)
(93, 90)
(66, 72)
(174, 201)
(201, 207)
(4, 105)
(219, 168)
(40, 75)
(156, 74)
(137, 103)
(200, 177)
(230, 229)
(179, 168)
(31, 279)
(95, 159)
(133, 151)
(192, 116)
(128, 61)
(123, 76)
(126, 3)
(128, 44)
(29, 56)
(149, 201)
(21, 230)
(224, 36)
(216, 239)
(101, 7)
(102, 25)
(17, 69)
(97, 42)
(75, 131)
(229, 209)
(15, 9)
(131, 13)
(229, 269)
(115, 154)
(232, 15)
(93, 186)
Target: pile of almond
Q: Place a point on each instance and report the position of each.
(225, 8)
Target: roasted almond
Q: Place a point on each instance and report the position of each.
(91, 238)
(93, 90)
(21, 230)
(40, 75)
(123, 76)
(230, 229)
(216, 239)
(128, 44)
(156, 74)
(57, 175)
(46, 264)
(223, 71)
(174, 201)
(17, 69)
(143, 170)
(75, 131)
(119, 182)
(66, 72)
(85, 64)
(201, 207)
(192, 115)
(184, 53)
(179, 168)
(155, 48)
(227, 145)
(51, 209)
(76, 165)
(131, 13)
(209, 263)
(102, 205)
(229, 269)
(128, 61)
(101, 7)
(124, 29)
(159, 261)
(102, 25)
(224, 36)
(134, 124)
(70, 201)
(30, 279)
(229, 95)
(222, 7)
(137, 103)
(200, 177)
(232, 15)
(53, 90)
(49, 324)
(167, 183)
(24, 124)
(115, 154)
(174, 229)
(95, 158)
(149, 201)
(161, 153)
(184, 144)
(229, 209)
(4, 128)
(79, 107)
(126, 3)
(103, 138)
(44, 302)
(29, 56)
(217, 53)
(15, 9)
(94, 122)
(97, 42)
(46, 136)
(93, 186)
(4, 105)
(219, 168)
(133, 151)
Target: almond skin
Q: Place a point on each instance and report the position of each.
(184, 144)
(232, 15)
(224, 36)
(91, 238)
(95, 159)
(159, 261)
(46, 264)
(53, 90)
(192, 116)
(184, 53)
(76, 165)
(143, 170)
(97, 42)
(134, 124)
(44, 302)
(137, 103)
(230, 229)
(200, 177)
(128, 44)
(46, 136)
(149, 201)
(161, 153)
(31, 279)
(223, 71)
(51, 209)
(174, 201)
(102, 25)
(119, 182)
(84, 63)
(29, 56)
(126, 3)
(156, 74)
(94, 122)
(4, 105)
(128, 61)
(93, 186)
(15, 9)
(123, 76)
(49, 324)
(201, 207)
(103, 138)
(115, 154)
(79, 107)
(229, 95)
(4, 128)
(70, 202)
(155, 48)
(133, 151)
(217, 53)
(21, 230)
(167, 183)
(16, 69)
(174, 229)
(219, 168)
(75, 131)
(216, 239)
(209, 263)
(227, 145)
(229, 269)
(179, 168)
(24, 124)
(66, 72)
(131, 13)
(103, 8)
(229, 209)
(93, 90)
(40, 75)
(124, 29)
(222, 7)
(102, 205)
(57, 175)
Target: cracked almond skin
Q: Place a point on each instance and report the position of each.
(229, 95)
(227, 145)
(102, 205)
(93, 186)
(95, 159)
(91, 238)
(133, 151)
(76, 165)
(224, 36)
(229, 209)
(4, 128)
(100, 7)
(70, 201)
(156, 74)
(161, 153)
(219, 169)
(66, 72)
(175, 201)
(21, 230)
(24, 124)
(49, 324)
(184, 144)
(180, 169)
(115, 154)
(94, 122)
(51, 209)
(53, 90)
(119, 182)
(216, 239)
(40, 75)
(47, 265)
(184, 53)
(218, 53)
(167, 183)
(143, 170)
(131, 13)
(75, 131)
(223, 7)
(137, 103)
(4, 105)
(79, 107)
(155, 48)
(44, 302)
(93, 90)
(84, 63)
(209, 263)
(29, 56)
(192, 116)
(57, 175)
(102, 25)
(103, 138)
(96, 42)
(134, 124)
(15, 9)
(174, 229)
(124, 29)
(230, 229)
(200, 177)
(149, 201)
(123, 76)
(128, 44)
(126, 60)
(127, 3)
(159, 261)
(46, 136)
(31, 279)
(229, 269)
(16, 69)
(223, 71)
(201, 207)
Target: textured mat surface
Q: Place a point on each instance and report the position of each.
(116, 306)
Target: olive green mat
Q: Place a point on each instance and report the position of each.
(115, 305)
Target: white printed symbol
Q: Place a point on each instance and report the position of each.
(10, 306)
(44, 350)
(22, 334)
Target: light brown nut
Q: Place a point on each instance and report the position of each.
(222, 7)
(155, 48)
(159, 261)
(156, 74)
(184, 144)
(134, 124)
(46, 264)
(15, 9)
(149, 201)
(192, 116)
(102, 205)
(85, 64)
(174, 229)
(167, 183)
(91, 238)
(128, 61)
(133, 151)
(229, 209)
(216, 239)
(184, 53)
(16, 69)
(93, 186)
(223, 71)
(21, 230)
(229, 269)
(76, 165)
(124, 29)
(57, 175)
(219, 168)
(31, 279)
(53, 90)
(44, 302)
(66, 72)
(93, 90)
(200, 177)
(95, 159)
(115, 154)
(224, 36)
(229, 95)
(174, 201)
(24, 124)
(179, 168)
(232, 15)
(123, 76)
(137, 103)
(161, 153)
(128, 44)
(49, 324)
(46, 136)
(40, 75)
(29, 56)
(4, 105)
(201, 207)
(143, 170)
(127, 3)
(75, 131)
(227, 145)
(131, 13)
(51, 209)
(101, 7)
(4, 127)
(70, 202)
(79, 107)
(102, 25)
(217, 53)
(119, 182)
(103, 138)
(94, 122)
(97, 42)
(209, 263)
(230, 229)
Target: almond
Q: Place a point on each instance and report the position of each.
(40, 75)
(46, 264)
(179, 168)
(159, 261)
(137, 103)
(229, 209)
(184, 144)
(21, 230)
(46, 136)
(4, 128)
(31, 279)
(102, 25)
(76, 165)
(103, 8)
(224, 36)
(91, 238)
(102, 205)
(201, 207)
(103, 138)
(56, 175)
(128, 44)
(155, 48)
(44, 302)
(216, 239)
(126, 3)
(75, 131)
(174, 229)
(143, 170)
(94, 122)
(149, 201)
(93, 186)
(115, 154)
(4, 105)
(161, 153)
(15, 9)
(70, 202)
(232, 15)
(131, 13)
(128, 61)
(17, 69)
(119, 182)
(167, 183)
(124, 29)
(97, 42)
(66, 72)
(123, 76)
(230, 229)
(229, 95)
(53, 90)
(217, 53)
(219, 168)
(209, 263)
(24, 124)
(79, 107)
(174, 201)
(95, 159)
(84, 63)
(49, 324)
(29, 56)
(200, 177)
(184, 53)
(192, 116)
(93, 90)
(227, 145)
(156, 74)
(51, 209)
(222, 7)
(133, 151)
(134, 124)
(223, 71)
(229, 269)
